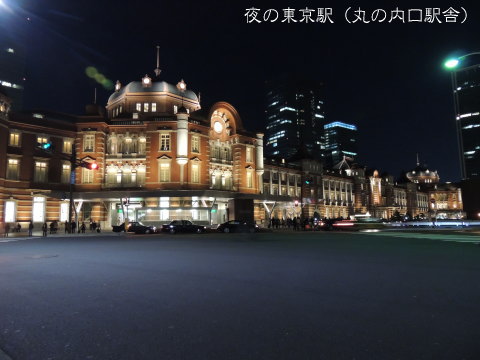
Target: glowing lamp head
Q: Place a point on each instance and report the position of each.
(94, 166)
(182, 86)
(451, 63)
(46, 146)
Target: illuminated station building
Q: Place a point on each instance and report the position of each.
(161, 157)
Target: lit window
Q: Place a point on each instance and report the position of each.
(87, 176)
(164, 213)
(154, 107)
(175, 109)
(88, 143)
(249, 154)
(42, 139)
(40, 175)
(63, 212)
(14, 139)
(65, 174)
(195, 144)
(13, 169)
(142, 143)
(138, 107)
(38, 209)
(164, 172)
(145, 107)
(164, 142)
(67, 146)
(10, 50)
(249, 179)
(195, 173)
(10, 207)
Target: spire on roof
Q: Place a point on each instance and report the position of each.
(157, 70)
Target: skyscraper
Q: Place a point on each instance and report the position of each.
(340, 141)
(12, 70)
(466, 82)
(295, 117)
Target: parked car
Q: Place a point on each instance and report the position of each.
(135, 226)
(238, 226)
(183, 226)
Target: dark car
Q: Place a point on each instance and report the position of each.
(187, 226)
(237, 226)
(136, 227)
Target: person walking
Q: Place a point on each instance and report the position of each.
(44, 229)
(7, 229)
(83, 228)
(30, 228)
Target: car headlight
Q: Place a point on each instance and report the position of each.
(171, 226)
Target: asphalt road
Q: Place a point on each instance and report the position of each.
(225, 296)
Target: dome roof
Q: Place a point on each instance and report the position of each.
(422, 175)
(157, 86)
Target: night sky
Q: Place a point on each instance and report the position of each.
(387, 78)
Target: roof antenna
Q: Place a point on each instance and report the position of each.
(418, 161)
(157, 70)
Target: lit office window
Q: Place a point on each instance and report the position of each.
(145, 107)
(154, 107)
(138, 107)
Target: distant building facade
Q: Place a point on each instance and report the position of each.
(340, 140)
(295, 116)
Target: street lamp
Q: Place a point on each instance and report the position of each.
(452, 65)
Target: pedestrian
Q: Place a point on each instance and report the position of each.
(30, 228)
(83, 228)
(44, 229)
(7, 229)
(19, 227)
(66, 226)
(73, 227)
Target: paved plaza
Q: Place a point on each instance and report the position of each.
(280, 295)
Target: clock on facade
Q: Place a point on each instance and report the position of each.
(217, 126)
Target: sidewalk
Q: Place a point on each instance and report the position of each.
(38, 234)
